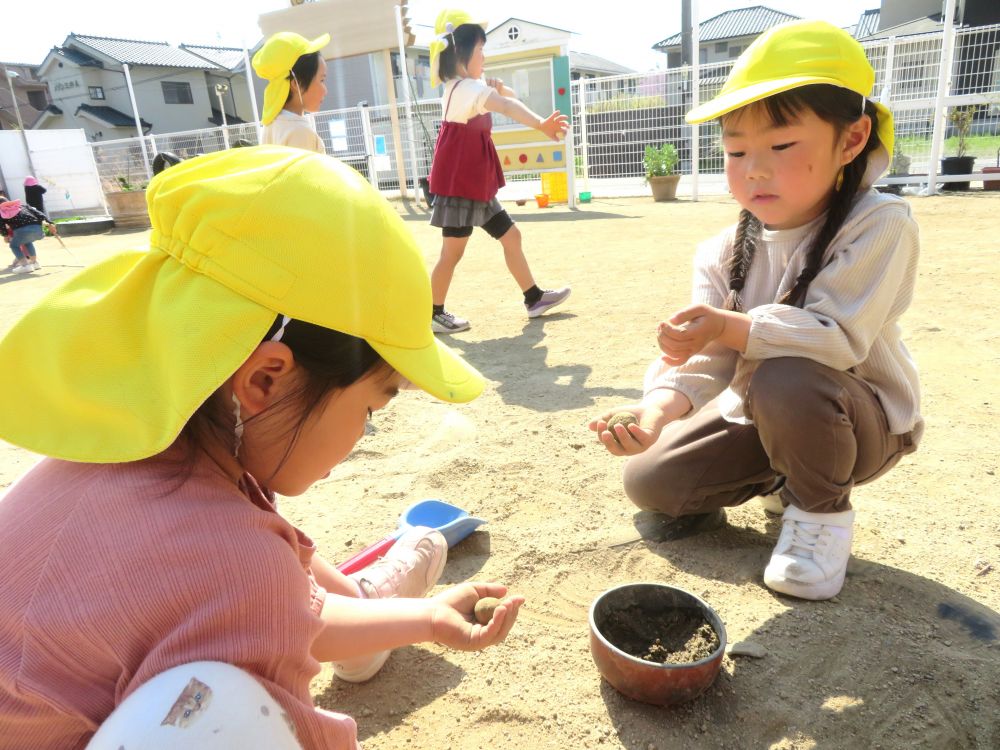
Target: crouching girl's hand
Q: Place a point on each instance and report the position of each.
(454, 623)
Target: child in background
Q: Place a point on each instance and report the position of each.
(33, 194)
(25, 226)
(787, 373)
(295, 71)
(147, 572)
(466, 172)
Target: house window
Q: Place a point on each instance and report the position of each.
(673, 59)
(703, 56)
(735, 52)
(96, 92)
(37, 100)
(721, 47)
(513, 33)
(176, 92)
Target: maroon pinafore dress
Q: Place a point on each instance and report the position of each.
(465, 166)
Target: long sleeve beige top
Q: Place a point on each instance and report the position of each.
(115, 573)
(850, 320)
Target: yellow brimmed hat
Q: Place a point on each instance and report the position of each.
(123, 354)
(274, 61)
(794, 54)
(447, 21)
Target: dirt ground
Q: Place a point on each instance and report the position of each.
(907, 656)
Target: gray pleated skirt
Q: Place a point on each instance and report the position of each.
(450, 211)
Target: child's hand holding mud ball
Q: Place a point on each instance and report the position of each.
(623, 418)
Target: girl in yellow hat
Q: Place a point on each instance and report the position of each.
(786, 376)
(466, 172)
(295, 71)
(152, 591)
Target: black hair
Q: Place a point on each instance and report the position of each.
(839, 107)
(461, 44)
(305, 70)
(330, 361)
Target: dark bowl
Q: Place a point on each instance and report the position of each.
(646, 681)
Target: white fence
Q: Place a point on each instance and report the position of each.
(614, 118)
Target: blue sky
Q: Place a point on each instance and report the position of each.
(29, 29)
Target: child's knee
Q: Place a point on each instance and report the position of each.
(649, 487)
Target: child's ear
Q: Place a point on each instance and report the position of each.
(855, 137)
(264, 378)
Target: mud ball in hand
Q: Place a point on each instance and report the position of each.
(484, 609)
(623, 418)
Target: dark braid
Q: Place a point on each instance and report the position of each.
(839, 107)
(744, 247)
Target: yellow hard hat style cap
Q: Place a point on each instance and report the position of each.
(125, 352)
(274, 61)
(447, 21)
(795, 54)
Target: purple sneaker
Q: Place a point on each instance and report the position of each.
(549, 299)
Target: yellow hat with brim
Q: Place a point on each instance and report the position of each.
(125, 352)
(796, 54)
(274, 62)
(447, 21)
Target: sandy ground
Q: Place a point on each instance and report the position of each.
(907, 656)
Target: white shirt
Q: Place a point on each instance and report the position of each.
(849, 320)
(467, 101)
(290, 129)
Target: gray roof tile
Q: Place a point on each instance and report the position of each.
(134, 52)
(230, 58)
(111, 116)
(732, 24)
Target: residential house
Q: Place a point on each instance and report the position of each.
(174, 87)
(723, 38)
(30, 93)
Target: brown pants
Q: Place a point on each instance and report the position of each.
(824, 430)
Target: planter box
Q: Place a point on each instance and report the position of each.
(128, 209)
(664, 188)
(991, 184)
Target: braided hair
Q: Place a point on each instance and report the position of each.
(839, 107)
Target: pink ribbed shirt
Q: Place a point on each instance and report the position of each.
(112, 574)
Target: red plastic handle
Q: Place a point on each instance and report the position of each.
(367, 556)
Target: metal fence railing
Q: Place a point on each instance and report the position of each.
(615, 117)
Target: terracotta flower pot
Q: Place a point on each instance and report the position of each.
(128, 209)
(664, 188)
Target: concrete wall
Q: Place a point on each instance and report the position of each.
(63, 164)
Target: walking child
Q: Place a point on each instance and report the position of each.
(787, 373)
(466, 172)
(295, 71)
(152, 592)
(34, 193)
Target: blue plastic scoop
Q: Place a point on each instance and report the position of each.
(453, 522)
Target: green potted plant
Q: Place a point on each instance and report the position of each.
(899, 167)
(960, 118)
(659, 163)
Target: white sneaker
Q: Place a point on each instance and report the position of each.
(409, 569)
(26, 268)
(445, 322)
(361, 668)
(36, 266)
(810, 559)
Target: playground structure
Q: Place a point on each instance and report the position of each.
(375, 26)
(534, 61)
